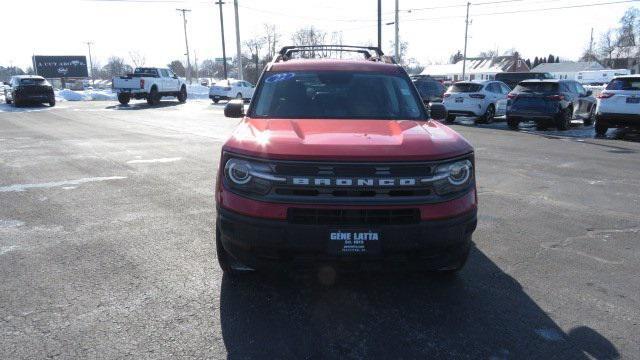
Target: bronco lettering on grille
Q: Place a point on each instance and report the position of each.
(354, 182)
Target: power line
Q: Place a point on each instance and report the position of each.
(528, 10)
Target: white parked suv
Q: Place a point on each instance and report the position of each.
(151, 84)
(231, 89)
(619, 104)
(483, 100)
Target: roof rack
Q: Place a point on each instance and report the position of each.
(371, 53)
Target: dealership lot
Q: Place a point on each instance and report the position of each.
(106, 250)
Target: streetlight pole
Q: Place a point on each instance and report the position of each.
(379, 24)
(224, 53)
(397, 50)
(186, 42)
(93, 78)
(238, 49)
(466, 31)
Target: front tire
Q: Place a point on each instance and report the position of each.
(450, 119)
(52, 102)
(124, 98)
(182, 96)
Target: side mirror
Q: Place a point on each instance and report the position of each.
(589, 92)
(438, 111)
(234, 109)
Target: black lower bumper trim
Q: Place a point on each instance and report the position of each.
(263, 243)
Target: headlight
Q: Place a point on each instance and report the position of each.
(249, 176)
(454, 176)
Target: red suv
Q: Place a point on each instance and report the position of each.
(338, 163)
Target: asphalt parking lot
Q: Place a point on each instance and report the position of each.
(106, 251)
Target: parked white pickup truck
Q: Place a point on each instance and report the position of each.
(151, 84)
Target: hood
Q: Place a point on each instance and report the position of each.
(316, 139)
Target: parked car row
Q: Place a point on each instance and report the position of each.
(547, 102)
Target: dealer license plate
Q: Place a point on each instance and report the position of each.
(354, 242)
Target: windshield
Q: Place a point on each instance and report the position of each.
(537, 87)
(465, 88)
(33, 81)
(337, 95)
(624, 84)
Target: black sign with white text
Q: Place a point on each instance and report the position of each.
(52, 67)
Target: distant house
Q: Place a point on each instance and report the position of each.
(477, 68)
(569, 69)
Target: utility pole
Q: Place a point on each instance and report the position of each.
(466, 32)
(397, 49)
(238, 49)
(379, 24)
(93, 78)
(224, 53)
(186, 42)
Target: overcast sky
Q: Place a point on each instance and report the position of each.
(154, 28)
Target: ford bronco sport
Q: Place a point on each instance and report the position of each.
(338, 163)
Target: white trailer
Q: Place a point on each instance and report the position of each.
(600, 77)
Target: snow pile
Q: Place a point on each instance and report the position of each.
(197, 91)
(86, 95)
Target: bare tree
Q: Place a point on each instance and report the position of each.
(116, 67)
(255, 46)
(607, 46)
(137, 59)
(307, 37)
(488, 54)
(626, 40)
(271, 38)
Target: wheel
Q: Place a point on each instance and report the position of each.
(17, 103)
(216, 101)
(6, 99)
(592, 116)
(563, 120)
(124, 98)
(601, 129)
(488, 116)
(450, 119)
(239, 96)
(154, 97)
(52, 102)
(513, 123)
(182, 96)
(228, 265)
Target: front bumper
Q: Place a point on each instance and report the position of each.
(265, 243)
(621, 120)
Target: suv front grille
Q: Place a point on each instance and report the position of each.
(353, 217)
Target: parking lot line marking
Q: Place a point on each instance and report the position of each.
(150, 161)
(25, 187)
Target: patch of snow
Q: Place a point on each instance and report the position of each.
(197, 91)
(6, 249)
(149, 161)
(4, 224)
(85, 95)
(25, 187)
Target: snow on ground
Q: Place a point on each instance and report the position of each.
(197, 91)
(193, 91)
(85, 95)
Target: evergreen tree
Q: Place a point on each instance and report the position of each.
(551, 59)
(528, 62)
(536, 62)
